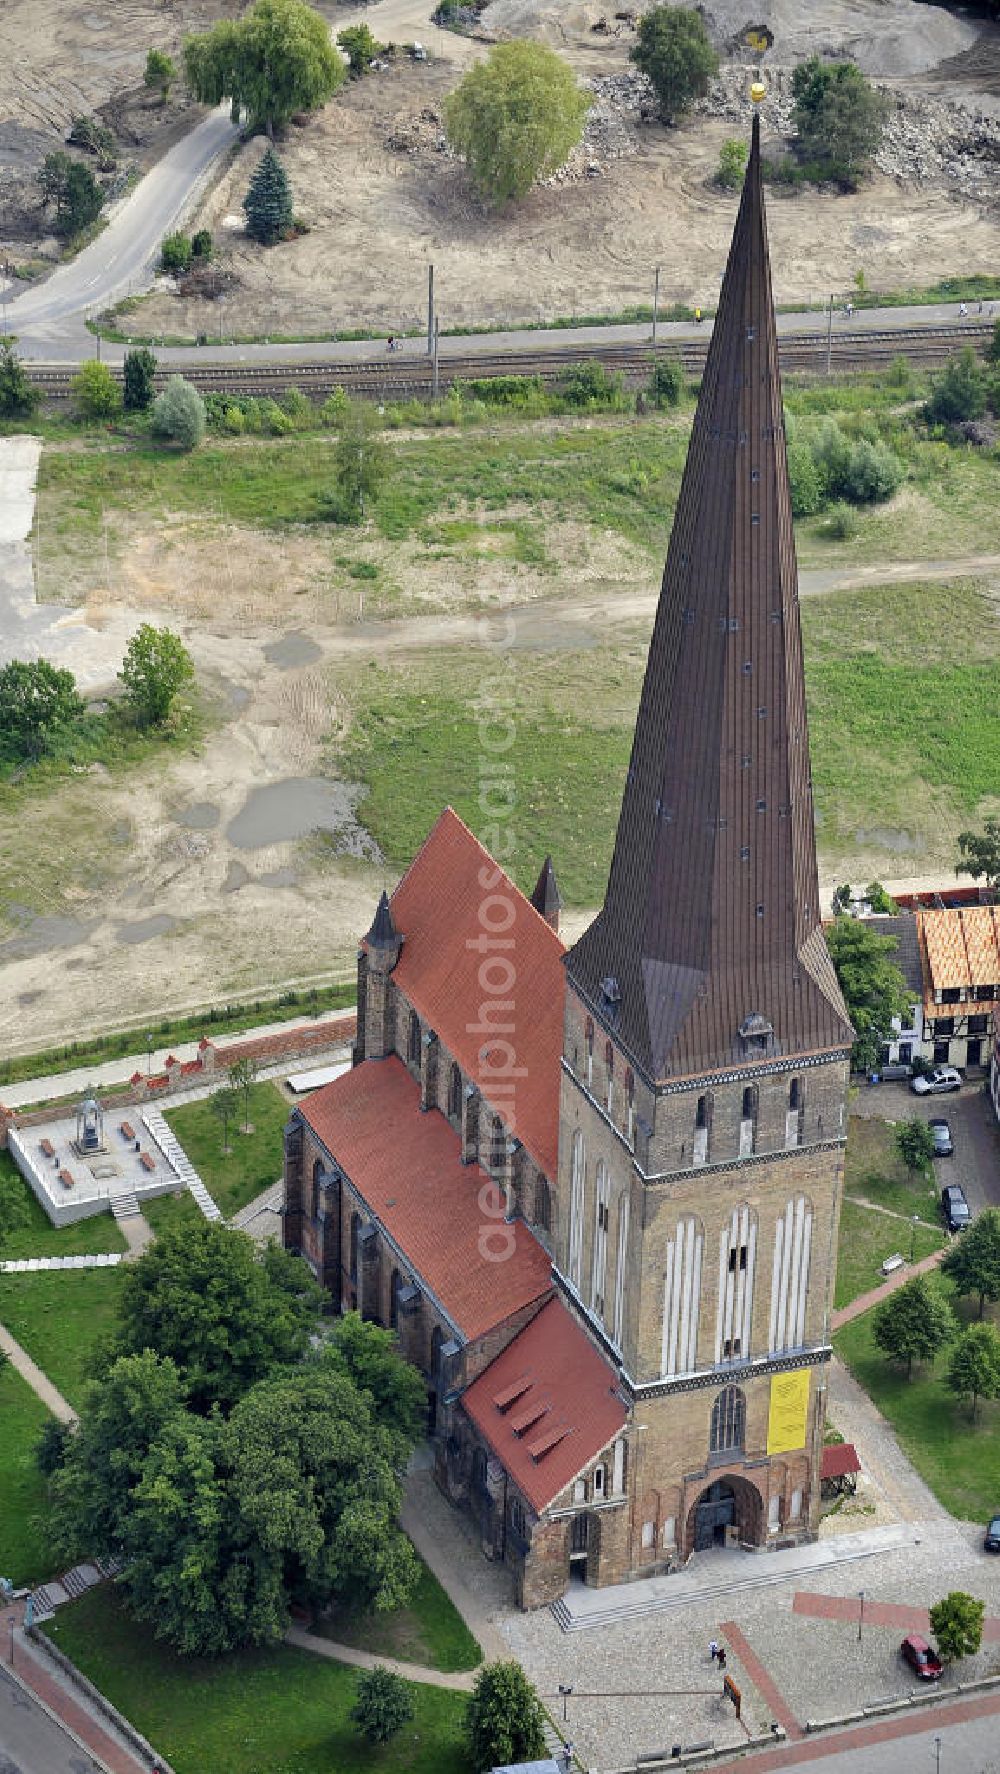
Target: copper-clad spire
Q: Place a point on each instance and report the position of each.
(712, 913)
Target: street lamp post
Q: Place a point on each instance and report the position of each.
(937, 1755)
(565, 1692)
(914, 1223)
(861, 1612)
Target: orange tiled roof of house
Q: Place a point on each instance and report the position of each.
(408, 1169)
(440, 909)
(547, 1405)
(961, 947)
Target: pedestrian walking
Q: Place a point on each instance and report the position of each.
(721, 1657)
(713, 1649)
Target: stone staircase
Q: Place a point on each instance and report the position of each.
(179, 1161)
(71, 1585)
(125, 1205)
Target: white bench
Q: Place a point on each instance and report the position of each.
(891, 1264)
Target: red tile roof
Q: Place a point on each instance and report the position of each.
(839, 1460)
(566, 1408)
(408, 1168)
(443, 907)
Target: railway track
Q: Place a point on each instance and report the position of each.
(409, 375)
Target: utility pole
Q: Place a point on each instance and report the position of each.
(435, 359)
(656, 302)
(829, 336)
(430, 311)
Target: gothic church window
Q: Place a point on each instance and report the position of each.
(702, 1130)
(317, 1173)
(729, 1418)
(621, 1267)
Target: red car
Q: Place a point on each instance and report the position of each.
(924, 1662)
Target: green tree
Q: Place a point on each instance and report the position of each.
(504, 1720)
(957, 1625)
(959, 392)
(175, 252)
(94, 392)
(514, 119)
(974, 1368)
(914, 1323)
(38, 702)
(73, 190)
(139, 379)
(156, 667)
(873, 987)
(881, 902)
(973, 1261)
(993, 348)
(179, 414)
(201, 245)
(19, 398)
(361, 462)
(979, 853)
(805, 481)
(242, 1077)
(383, 1705)
(839, 117)
(370, 1357)
(360, 47)
(222, 1104)
(202, 1298)
(52, 1446)
(915, 1143)
(675, 53)
(13, 1211)
(122, 1418)
(276, 60)
(268, 202)
(733, 157)
(666, 383)
(159, 74)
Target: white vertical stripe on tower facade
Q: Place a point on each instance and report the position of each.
(620, 1271)
(682, 1299)
(790, 1275)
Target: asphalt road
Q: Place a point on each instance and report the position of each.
(49, 319)
(30, 1742)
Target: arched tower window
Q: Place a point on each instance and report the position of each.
(748, 1121)
(455, 1092)
(702, 1130)
(729, 1420)
(317, 1173)
(413, 1039)
(621, 1267)
(599, 1266)
(796, 1113)
(790, 1275)
(543, 1205)
(576, 1193)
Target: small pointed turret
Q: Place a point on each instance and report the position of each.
(546, 897)
(383, 941)
(712, 912)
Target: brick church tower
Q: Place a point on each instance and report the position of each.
(706, 1044)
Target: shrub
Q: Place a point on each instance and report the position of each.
(334, 407)
(504, 1721)
(839, 117)
(94, 393)
(589, 386)
(515, 392)
(201, 245)
(19, 398)
(732, 165)
(298, 407)
(233, 422)
(960, 391)
(675, 53)
(870, 475)
(179, 414)
(915, 1143)
(159, 74)
(383, 1705)
(993, 349)
(86, 132)
(273, 420)
(841, 524)
(175, 252)
(804, 479)
(360, 47)
(899, 375)
(666, 383)
(140, 371)
(514, 118)
(268, 202)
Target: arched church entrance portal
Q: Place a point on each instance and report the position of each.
(728, 1510)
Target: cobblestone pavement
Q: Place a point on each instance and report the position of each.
(976, 1164)
(956, 1738)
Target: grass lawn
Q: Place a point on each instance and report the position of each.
(959, 1459)
(58, 1315)
(255, 1159)
(874, 1171)
(37, 1237)
(262, 1712)
(24, 1556)
(166, 1211)
(866, 1239)
(430, 1631)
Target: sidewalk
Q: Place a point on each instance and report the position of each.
(412, 1672)
(876, 1295)
(46, 1683)
(39, 1383)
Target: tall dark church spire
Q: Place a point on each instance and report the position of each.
(709, 948)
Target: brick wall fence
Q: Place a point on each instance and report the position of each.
(299, 1041)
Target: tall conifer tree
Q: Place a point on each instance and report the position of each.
(268, 203)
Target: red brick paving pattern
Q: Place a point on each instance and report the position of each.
(108, 1752)
(904, 1724)
(865, 1301)
(774, 1700)
(844, 1607)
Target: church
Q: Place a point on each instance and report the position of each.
(595, 1191)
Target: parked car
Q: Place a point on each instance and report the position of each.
(992, 1540)
(943, 1146)
(955, 1207)
(922, 1660)
(933, 1083)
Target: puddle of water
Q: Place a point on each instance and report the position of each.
(144, 929)
(291, 650)
(236, 877)
(278, 878)
(882, 837)
(279, 812)
(41, 934)
(201, 816)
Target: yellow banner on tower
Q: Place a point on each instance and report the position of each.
(788, 1416)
